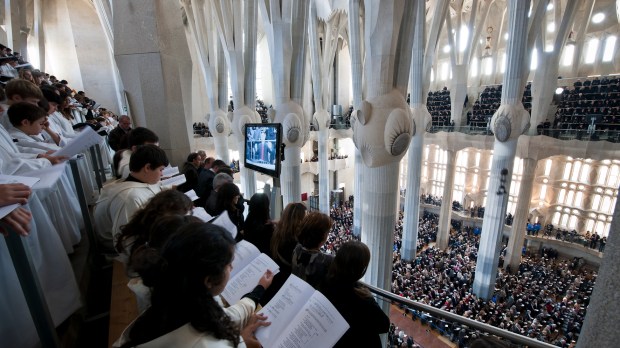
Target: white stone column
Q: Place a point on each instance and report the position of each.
(510, 121)
(517, 237)
(290, 176)
(38, 59)
(323, 170)
(445, 212)
(600, 328)
(355, 41)
(421, 120)
(378, 218)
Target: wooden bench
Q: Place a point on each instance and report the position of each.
(123, 305)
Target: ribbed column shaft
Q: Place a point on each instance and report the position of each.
(493, 223)
(221, 148)
(517, 237)
(412, 197)
(378, 219)
(248, 177)
(600, 328)
(290, 177)
(323, 172)
(445, 212)
(358, 193)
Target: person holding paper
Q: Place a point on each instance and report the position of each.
(354, 302)
(19, 219)
(121, 199)
(137, 231)
(283, 243)
(309, 263)
(28, 122)
(193, 268)
(258, 224)
(228, 197)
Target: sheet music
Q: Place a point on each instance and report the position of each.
(191, 194)
(202, 214)
(85, 139)
(224, 221)
(174, 181)
(170, 171)
(14, 179)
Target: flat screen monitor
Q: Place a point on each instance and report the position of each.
(263, 148)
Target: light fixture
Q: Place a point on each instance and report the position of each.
(550, 6)
(598, 17)
(559, 90)
(446, 49)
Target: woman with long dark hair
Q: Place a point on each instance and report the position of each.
(354, 302)
(309, 263)
(228, 196)
(283, 241)
(194, 267)
(258, 224)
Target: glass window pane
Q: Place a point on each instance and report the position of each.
(561, 196)
(576, 169)
(585, 173)
(591, 51)
(602, 175)
(610, 44)
(567, 169)
(596, 201)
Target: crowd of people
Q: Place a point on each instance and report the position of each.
(39, 116)
(545, 298)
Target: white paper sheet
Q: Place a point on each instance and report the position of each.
(174, 181)
(191, 194)
(202, 214)
(85, 139)
(224, 221)
(169, 171)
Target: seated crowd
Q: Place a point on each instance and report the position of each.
(545, 299)
(438, 103)
(489, 101)
(589, 107)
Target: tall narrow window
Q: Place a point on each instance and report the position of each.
(569, 198)
(610, 45)
(567, 169)
(478, 159)
(543, 192)
(576, 169)
(561, 196)
(502, 67)
(572, 223)
(548, 164)
(591, 51)
(585, 173)
(556, 218)
(614, 173)
(578, 199)
(602, 175)
(445, 70)
(567, 55)
(596, 201)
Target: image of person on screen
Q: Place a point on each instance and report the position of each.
(264, 149)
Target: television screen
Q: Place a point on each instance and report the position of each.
(263, 147)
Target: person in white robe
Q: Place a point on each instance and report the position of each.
(55, 275)
(121, 199)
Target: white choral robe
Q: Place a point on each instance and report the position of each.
(117, 204)
(60, 201)
(55, 275)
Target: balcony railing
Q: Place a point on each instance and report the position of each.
(464, 323)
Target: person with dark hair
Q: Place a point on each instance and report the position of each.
(28, 122)
(354, 302)
(116, 135)
(258, 224)
(137, 137)
(309, 263)
(190, 169)
(227, 199)
(191, 271)
(121, 199)
(205, 181)
(136, 232)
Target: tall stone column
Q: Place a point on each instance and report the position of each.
(517, 237)
(356, 77)
(445, 213)
(509, 121)
(38, 58)
(421, 120)
(600, 328)
(153, 59)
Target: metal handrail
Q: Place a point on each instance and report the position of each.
(513, 337)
